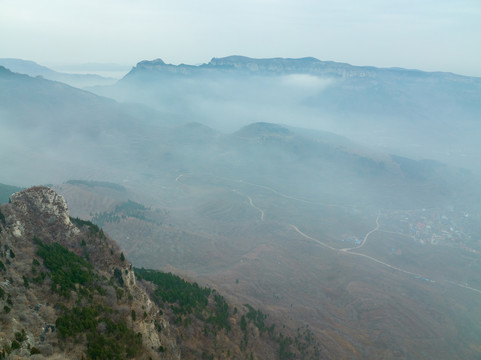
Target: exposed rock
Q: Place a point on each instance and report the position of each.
(42, 214)
(68, 292)
(38, 209)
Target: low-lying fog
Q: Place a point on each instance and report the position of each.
(274, 182)
(410, 113)
(52, 132)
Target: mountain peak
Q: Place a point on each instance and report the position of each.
(62, 267)
(150, 63)
(67, 289)
(262, 129)
(39, 208)
(40, 199)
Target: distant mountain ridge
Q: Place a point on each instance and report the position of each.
(103, 133)
(425, 114)
(279, 66)
(31, 68)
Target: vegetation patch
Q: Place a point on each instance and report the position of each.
(2, 218)
(104, 184)
(67, 269)
(93, 228)
(128, 209)
(106, 339)
(220, 317)
(183, 296)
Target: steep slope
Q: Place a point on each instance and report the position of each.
(54, 129)
(394, 297)
(67, 291)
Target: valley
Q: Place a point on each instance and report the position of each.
(375, 250)
(309, 263)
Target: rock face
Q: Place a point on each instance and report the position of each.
(27, 205)
(67, 292)
(40, 212)
(41, 200)
(31, 304)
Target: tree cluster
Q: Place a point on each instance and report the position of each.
(66, 268)
(106, 339)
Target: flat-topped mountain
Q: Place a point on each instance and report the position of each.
(284, 66)
(410, 112)
(57, 124)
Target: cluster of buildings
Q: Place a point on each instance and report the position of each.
(434, 226)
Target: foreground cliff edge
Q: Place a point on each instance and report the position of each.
(68, 292)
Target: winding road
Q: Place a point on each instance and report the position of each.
(365, 237)
(350, 252)
(251, 203)
(347, 251)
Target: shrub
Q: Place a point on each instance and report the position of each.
(94, 229)
(2, 218)
(21, 336)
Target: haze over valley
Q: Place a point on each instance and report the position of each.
(340, 198)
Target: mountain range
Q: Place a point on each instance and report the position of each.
(334, 198)
(417, 113)
(33, 69)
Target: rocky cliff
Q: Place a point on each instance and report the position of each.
(68, 292)
(31, 287)
(283, 66)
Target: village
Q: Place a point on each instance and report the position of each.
(442, 227)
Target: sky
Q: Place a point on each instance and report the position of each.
(430, 35)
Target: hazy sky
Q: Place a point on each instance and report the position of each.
(425, 34)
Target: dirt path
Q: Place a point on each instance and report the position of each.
(251, 203)
(312, 239)
(177, 179)
(348, 251)
(255, 207)
(365, 237)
